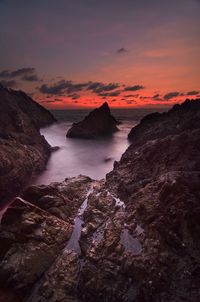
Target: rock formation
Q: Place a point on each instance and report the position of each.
(23, 151)
(137, 230)
(97, 123)
(181, 117)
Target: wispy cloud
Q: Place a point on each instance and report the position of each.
(134, 88)
(122, 50)
(9, 74)
(194, 92)
(171, 95)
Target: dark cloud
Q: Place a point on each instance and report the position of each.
(157, 97)
(94, 86)
(62, 87)
(99, 88)
(56, 88)
(113, 93)
(131, 96)
(171, 95)
(8, 74)
(194, 92)
(122, 50)
(76, 87)
(9, 83)
(30, 78)
(52, 101)
(133, 88)
(144, 97)
(74, 96)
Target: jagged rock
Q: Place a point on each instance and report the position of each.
(158, 179)
(140, 237)
(23, 151)
(61, 199)
(31, 239)
(98, 123)
(185, 116)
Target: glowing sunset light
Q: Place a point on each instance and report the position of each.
(79, 54)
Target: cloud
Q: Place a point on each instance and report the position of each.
(131, 96)
(113, 93)
(133, 88)
(74, 96)
(121, 50)
(8, 74)
(31, 78)
(171, 95)
(9, 83)
(194, 92)
(130, 102)
(56, 88)
(62, 87)
(94, 86)
(76, 87)
(52, 101)
(157, 97)
(99, 88)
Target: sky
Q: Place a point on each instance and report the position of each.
(80, 53)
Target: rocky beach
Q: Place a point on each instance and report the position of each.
(130, 237)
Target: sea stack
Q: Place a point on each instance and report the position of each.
(97, 123)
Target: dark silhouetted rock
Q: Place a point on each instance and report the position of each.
(158, 125)
(97, 123)
(23, 151)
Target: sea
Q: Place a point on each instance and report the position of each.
(93, 158)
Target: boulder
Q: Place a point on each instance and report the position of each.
(97, 123)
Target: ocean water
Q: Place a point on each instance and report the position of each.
(93, 158)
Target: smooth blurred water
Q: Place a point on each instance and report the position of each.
(93, 158)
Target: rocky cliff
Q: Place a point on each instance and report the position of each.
(98, 123)
(181, 117)
(133, 237)
(23, 151)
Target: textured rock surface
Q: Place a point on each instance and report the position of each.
(61, 199)
(98, 123)
(30, 241)
(140, 233)
(185, 116)
(23, 151)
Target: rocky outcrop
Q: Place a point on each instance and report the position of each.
(23, 151)
(181, 117)
(158, 179)
(98, 123)
(137, 230)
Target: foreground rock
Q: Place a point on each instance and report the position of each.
(23, 151)
(31, 239)
(33, 235)
(138, 231)
(98, 123)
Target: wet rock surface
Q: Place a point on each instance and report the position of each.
(138, 234)
(23, 151)
(97, 123)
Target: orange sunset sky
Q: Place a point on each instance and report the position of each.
(77, 54)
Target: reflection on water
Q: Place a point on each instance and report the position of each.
(130, 243)
(93, 158)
